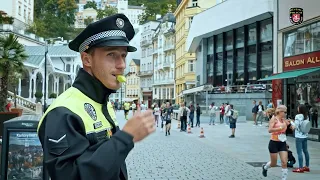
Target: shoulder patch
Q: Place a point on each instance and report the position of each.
(90, 110)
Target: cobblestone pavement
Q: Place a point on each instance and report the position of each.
(185, 156)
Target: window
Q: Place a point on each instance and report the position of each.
(315, 30)
(19, 11)
(194, 3)
(266, 59)
(266, 30)
(219, 43)
(218, 70)
(240, 38)
(210, 46)
(252, 62)
(210, 69)
(191, 66)
(229, 40)
(229, 71)
(240, 66)
(252, 36)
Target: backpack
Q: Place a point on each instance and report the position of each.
(305, 126)
(235, 114)
(185, 112)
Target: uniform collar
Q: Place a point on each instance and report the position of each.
(92, 87)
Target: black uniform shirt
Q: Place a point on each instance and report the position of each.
(80, 157)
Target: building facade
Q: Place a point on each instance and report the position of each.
(185, 62)
(298, 52)
(133, 90)
(21, 10)
(146, 64)
(83, 16)
(164, 60)
(132, 12)
(233, 52)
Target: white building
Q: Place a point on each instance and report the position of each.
(146, 63)
(21, 10)
(81, 16)
(132, 12)
(164, 60)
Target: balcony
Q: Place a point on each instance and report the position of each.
(146, 89)
(163, 81)
(166, 64)
(32, 37)
(168, 47)
(145, 73)
(146, 42)
(155, 51)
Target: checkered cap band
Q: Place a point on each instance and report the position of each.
(101, 35)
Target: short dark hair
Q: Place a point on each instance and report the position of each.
(303, 110)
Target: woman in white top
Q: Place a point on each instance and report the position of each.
(156, 113)
(260, 113)
(301, 139)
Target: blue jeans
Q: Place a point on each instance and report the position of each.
(212, 119)
(226, 120)
(302, 145)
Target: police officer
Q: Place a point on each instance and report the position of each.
(79, 133)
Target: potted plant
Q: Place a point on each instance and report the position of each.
(38, 96)
(12, 56)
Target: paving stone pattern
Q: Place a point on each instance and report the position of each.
(180, 156)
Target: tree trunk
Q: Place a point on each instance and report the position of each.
(4, 91)
(15, 96)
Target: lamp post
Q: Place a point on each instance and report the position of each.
(45, 71)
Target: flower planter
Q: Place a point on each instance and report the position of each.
(17, 110)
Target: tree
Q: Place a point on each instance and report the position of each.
(108, 11)
(6, 19)
(53, 18)
(91, 4)
(12, 56)
(88, 20)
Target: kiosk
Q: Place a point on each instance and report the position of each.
(22, 155)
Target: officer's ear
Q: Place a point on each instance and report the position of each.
(86, 59)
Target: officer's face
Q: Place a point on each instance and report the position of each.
(105, 63)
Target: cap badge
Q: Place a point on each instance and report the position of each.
(120, 23)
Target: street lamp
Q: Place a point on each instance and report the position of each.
(45, 71)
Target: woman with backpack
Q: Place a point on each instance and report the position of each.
(232, 122)
(301, 134)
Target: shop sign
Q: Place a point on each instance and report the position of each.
(308, 60)
(313, 77)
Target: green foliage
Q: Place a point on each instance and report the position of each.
(53, 18)
(6, 19)
(153, 8)
(53, 95)
(12, 56)
(88, 20)
(91, 4)
(108, 11)
(38, 95)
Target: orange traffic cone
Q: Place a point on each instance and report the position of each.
(201, 133)
(179, 125)
(189, 129)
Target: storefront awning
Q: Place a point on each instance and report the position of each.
(290, 74)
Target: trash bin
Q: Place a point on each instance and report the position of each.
(21, 153)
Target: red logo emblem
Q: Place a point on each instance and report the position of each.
(296, 16)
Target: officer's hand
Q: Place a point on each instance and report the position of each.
(140, 125)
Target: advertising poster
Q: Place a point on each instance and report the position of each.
(25, 156)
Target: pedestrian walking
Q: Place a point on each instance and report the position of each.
(183, 113)
(79, 133)
(254, 112)
(227, 113)
(156, 113)
(191, 115)
(277, 144)
(232, 120)
(168, 117)
(212, 112)
(260, 115)
(198, 110)
(301, 139)
(221, 113)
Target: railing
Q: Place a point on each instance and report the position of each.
(164, 81)
(146, 89)
(145, 73)
(23, 102)
(168, 47)
(145, 42)
(249, 88)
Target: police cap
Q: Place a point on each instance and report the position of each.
(115, 30)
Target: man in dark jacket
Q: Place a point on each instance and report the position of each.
(79, 132)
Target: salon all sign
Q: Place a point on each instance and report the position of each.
(308, 60)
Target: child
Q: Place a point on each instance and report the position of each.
(291, 159)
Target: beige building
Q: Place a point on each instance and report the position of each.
(185, 62)
(133, 81)
(85, 14)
